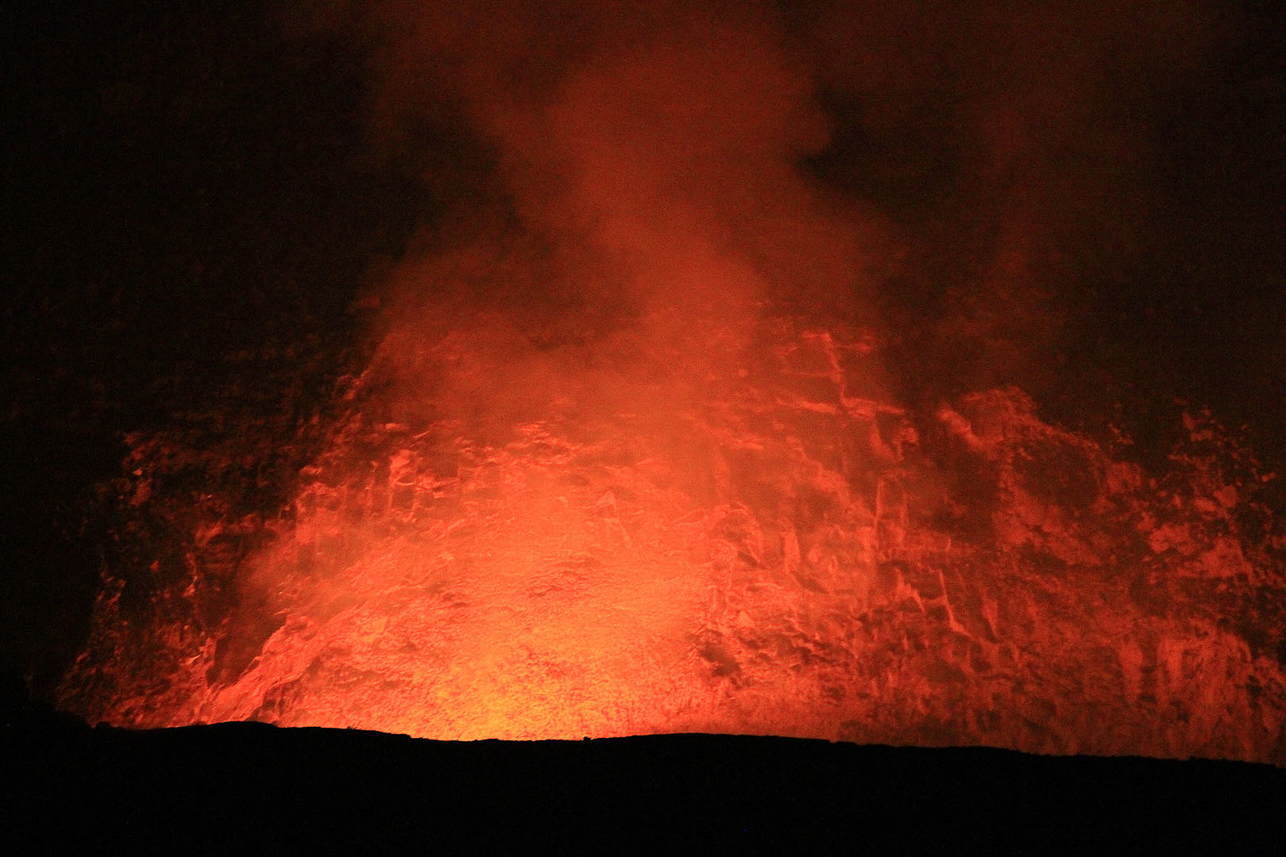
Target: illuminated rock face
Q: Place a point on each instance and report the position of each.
(769, 547)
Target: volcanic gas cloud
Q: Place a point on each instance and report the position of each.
(629, 451)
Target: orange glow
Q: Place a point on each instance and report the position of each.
(626, 458)
(773, 555)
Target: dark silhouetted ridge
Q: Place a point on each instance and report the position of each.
(237, 785)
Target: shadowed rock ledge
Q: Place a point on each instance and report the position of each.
(214, 788)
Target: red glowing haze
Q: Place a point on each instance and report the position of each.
(628, 456)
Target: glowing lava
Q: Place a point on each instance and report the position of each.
(774, 554)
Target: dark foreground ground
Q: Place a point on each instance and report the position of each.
(252, 787)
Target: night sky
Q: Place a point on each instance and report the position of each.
(185, 184)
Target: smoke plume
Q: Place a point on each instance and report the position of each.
(963, 178)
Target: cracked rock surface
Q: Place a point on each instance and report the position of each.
(515, 541)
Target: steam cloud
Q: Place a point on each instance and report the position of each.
(946, 173)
